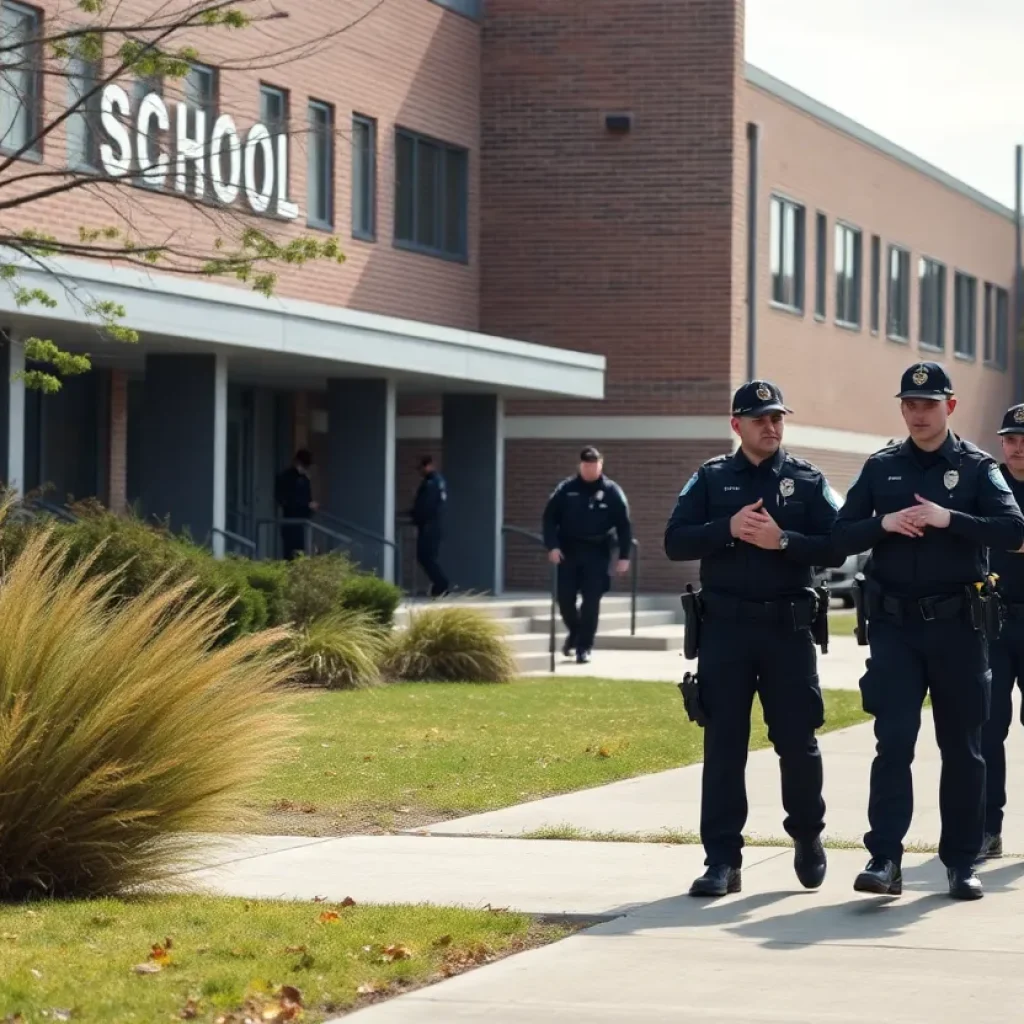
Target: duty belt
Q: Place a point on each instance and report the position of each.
(920, 609)
(796, 612)
(1014, 610)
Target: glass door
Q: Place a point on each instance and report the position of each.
(241, 431)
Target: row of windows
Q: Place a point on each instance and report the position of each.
(431, 177)
(788, 274)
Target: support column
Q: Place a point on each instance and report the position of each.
(185, 417)
(117, 433)
(473, 430)
(361, 464)
(12, 413)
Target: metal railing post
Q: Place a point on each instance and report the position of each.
(635, 574)
(554, 604)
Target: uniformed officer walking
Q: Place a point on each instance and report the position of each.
(1006, 652)
(927, 507)
(427, 514)
(758, 520)
(579, 518)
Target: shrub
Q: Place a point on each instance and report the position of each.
(343, 651)
(271, 580)
(123, 730)
(451, 645)
(371, 594)
(315, 585)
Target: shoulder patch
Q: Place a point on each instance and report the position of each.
(717, 458)
(688, 486)
(802, 463)
(998, 480)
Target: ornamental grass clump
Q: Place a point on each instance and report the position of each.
(125, 724)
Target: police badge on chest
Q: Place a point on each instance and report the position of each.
(950, 479)
(786, 489)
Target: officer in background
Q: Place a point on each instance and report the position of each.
(927, 508)
(1006, 652)
(428, 516)
(294, 496)
(759, 521)
(579, 518)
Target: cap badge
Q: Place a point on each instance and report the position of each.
(950, 479)
(1018, 414)
(764, 393)
(786, 487)
(920, 376)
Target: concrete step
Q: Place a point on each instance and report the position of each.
(613, 620)
(539, 605)
(537, 662)
(657, 638)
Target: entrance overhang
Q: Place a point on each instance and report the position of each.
(287, 340)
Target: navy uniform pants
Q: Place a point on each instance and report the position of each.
(1006, 655)
(583, 571)
(737, 659)
(428, 550)
(948, 659)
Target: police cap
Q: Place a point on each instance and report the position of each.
(926, 380)
(757, 397)
(590, 454)
(1013, 421)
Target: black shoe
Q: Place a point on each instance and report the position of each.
(881, 877)
(567, 647)
(810, 863)
(582, 657)
(718, 880)
(991, 847)
(964, 884)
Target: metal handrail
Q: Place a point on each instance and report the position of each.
(377, 538)
(235, 538)
(308, 525)
(59, 511)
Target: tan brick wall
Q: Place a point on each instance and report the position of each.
(410, 62)
(841, 468)
(614, 244)
(836, 377)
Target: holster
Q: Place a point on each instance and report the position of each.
(987, 612)
(690, 689)
(819, 627)
(693, 612)
(860, 607)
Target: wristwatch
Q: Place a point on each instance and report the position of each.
(784, 542)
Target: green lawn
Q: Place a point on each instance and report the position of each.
(96, 962)
(408, 754)
(841, 622)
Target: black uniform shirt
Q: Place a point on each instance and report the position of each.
(960, 477)
(1009, 565)
(795, 494)
(580, 513)
(294, 494)
(431, 496)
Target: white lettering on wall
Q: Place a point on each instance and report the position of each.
(218, 156)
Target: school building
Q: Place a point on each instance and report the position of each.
(564, 224)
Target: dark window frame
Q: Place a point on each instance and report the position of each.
(36, 81)
(965, 321)
(854, 285)
(329, 183)
(929, 317)
(876, 283)
(419, 140)
(275, 129)
(777, 281)
(894, 331)
(210, 108)
(821, 266)
(1001, 317)
(89, 113)
(369, 204)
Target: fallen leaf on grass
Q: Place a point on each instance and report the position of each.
(604, 752)
(295, 949)
(14, 1018)
(395, 952)
(36, 974)
(348, 902)
(371, 988)
(161, 954)
(190, 1011)
(495, 910)
(319, 899)
(329, 917)
(445, 940)
(149, 968)
(61, 1014)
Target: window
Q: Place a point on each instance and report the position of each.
(431, 195)
(83, 139)
(20, 79)
(141, 88)
(364, 177)
(821, 272)
(965, 315)
(876, 282)
(997, 326)
(932, 300)
(470, 8)
(787, 253)
(848, 275)
(273, 117)
(320, 174)
(897, 325)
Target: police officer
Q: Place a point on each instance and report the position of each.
(579, 518)
(294, 496)
(428, 516)
(1006, 652)
(758, 520)
(927, 508)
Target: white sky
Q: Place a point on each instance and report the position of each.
(943, 78)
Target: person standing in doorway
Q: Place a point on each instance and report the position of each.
(579, 518)
(927, 508)
(428, 516)
(294, 495)
(1006, 652)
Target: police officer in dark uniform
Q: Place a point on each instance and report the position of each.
(1006, 652)
(579, 518)
(759, 521)
(927, 508)
(428, 516)
(294, 496)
